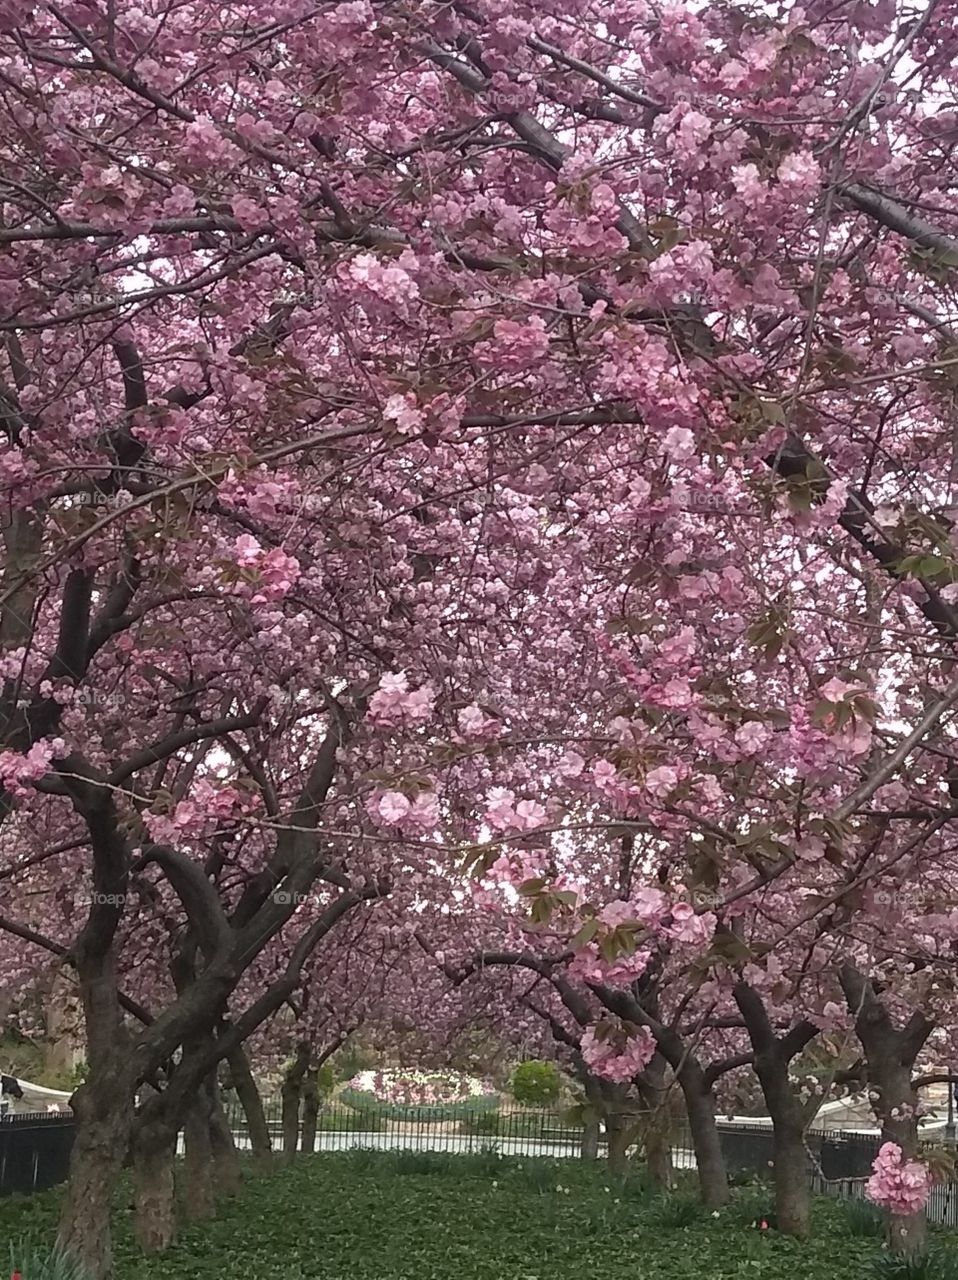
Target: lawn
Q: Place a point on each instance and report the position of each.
(374, 1216)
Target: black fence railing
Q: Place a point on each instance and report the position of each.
(34, 1152)
(35, 1149)
(522, 1132)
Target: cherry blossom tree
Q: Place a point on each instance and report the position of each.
(441, 425)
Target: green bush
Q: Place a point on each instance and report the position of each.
(536, 1084)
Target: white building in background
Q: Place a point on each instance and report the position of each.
(20, 1097)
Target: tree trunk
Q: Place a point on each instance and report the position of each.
(199, 1202)
(103, 1108)
(792, 1186)
(890, 1055)
(771, 1056)
(226, 1158)
(590, 1140)
(654, 1094)
(153, 1189)
(99, 1149)
(789, 1157)
(709, 1160)
(291, 1094)
(907, 1235)
(259, 1140)
(311, 1102)
(658, 1156)
(619, 1131)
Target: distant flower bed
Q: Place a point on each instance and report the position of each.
(427, 1096)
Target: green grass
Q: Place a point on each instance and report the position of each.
(376, 1216)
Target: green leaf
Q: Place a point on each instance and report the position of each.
(585, 934)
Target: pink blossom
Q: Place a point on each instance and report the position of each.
(810, 849)
(661, 782)
(649, 906)
(752, 737)
(898, 1185)
(689, 926)
(529, 815)
(838, 690)
(393, 806)
(679, 443)
(620, 1055)
(800, 172)
(500, 809)
(570, 765)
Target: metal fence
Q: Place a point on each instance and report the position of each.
(524, 1132)
(34, 1152)
(35, 1149)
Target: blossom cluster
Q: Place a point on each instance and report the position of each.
(617, 1054)
(901, 1186)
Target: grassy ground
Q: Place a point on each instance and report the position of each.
(405, 1216)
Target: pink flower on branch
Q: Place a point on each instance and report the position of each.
(901, 1186)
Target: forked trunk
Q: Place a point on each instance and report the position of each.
(890, 1054)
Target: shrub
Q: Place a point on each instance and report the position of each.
(421, 1162)
(863, 1218)
(937, 1264)
(33, 1262)
(428, 1113)
(679, 1209)
(536, 1084)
